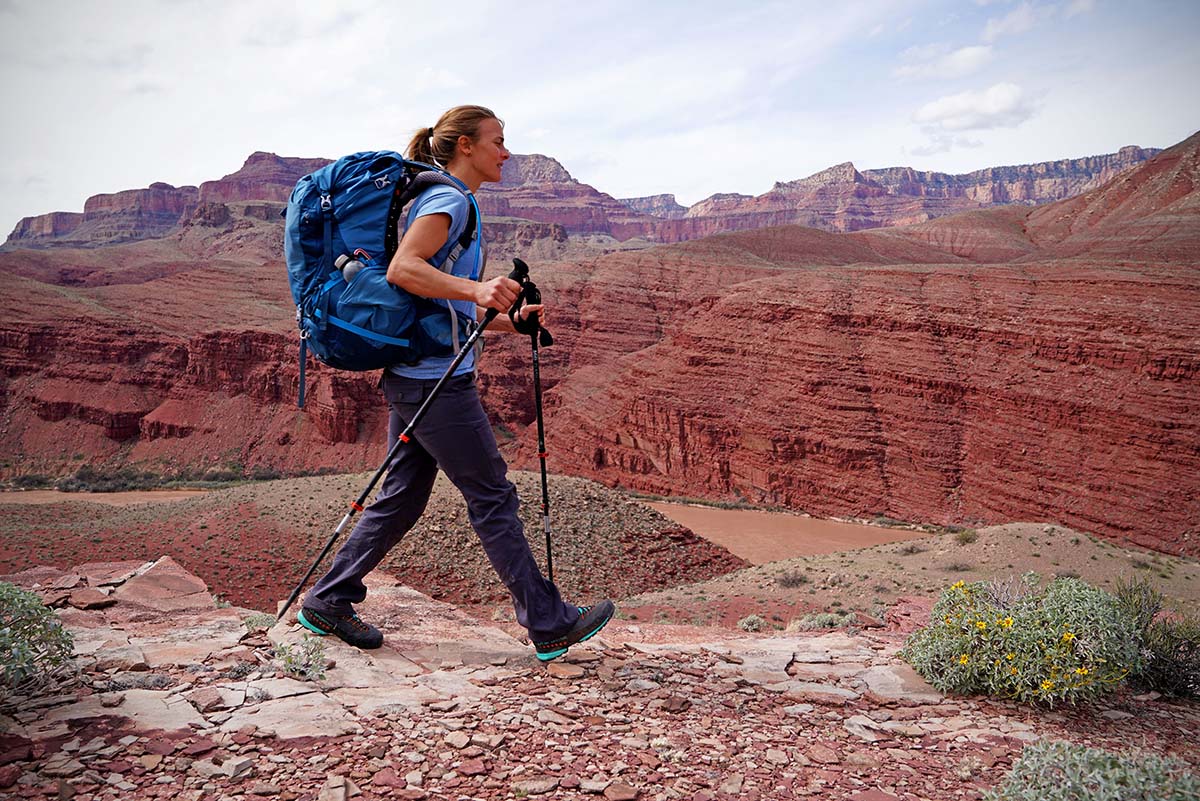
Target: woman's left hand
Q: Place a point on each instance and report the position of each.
(530, 309)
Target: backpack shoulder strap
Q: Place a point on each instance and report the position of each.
(424, 178)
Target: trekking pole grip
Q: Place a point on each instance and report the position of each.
(520, 274)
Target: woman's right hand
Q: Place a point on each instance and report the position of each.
(500, 294)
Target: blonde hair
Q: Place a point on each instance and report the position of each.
(437, 145)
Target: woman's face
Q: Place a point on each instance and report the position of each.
(488, 153)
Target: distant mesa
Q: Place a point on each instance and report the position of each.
(539, 189)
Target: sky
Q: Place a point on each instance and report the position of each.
(635, 98)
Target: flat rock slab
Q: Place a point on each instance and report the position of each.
(90, 640)
(812, 671)
(281, 688)
(382, 700)
(311, 715)
(899, 682)
(99, 574)
(41, 577)
(430, 632)
(841, 647)
(192, 639)
(166, 587)
(762, 660)
(815, 693)
(451, 684)
(150, 710)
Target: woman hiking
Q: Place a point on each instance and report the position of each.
(468, 141)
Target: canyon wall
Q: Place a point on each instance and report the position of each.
(539, 189)
(1012, 363)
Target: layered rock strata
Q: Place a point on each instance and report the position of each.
(539, 189)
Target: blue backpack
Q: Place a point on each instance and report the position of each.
(357, 320)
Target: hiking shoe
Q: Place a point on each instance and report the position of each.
(591, 620)
(350, 628)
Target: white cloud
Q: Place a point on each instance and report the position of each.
(1003, 105)
(1019, 20)
(936, 62)
(1079, 7)
(944, 143)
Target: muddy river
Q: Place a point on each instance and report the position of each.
(111, 498)
(761, 537)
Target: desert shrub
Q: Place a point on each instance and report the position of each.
(965, 536)
(34, 648)
(791, 579)
(223, 474)
(125, 479)
(305, 660)
(1065, 641)
(31, 481)
(1171, 657)
(259, 620)
(239, 670)
(1061, 771)
(820, 620)
(265, 473)
(752, 623)
(1169, 645)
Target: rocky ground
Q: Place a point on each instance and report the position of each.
(179, 698)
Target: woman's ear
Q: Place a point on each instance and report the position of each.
(464, 144)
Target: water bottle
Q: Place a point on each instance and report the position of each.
(349, 266)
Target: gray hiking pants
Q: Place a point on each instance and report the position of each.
(454, 435)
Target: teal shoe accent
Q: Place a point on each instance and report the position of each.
(309, 625)
(591, 620)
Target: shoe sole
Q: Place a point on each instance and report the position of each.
(546, 657)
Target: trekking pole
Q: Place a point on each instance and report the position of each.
(519, 273)
(537, 333)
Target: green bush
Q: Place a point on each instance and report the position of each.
(790, 579)
(1066, 641)
(304, 661)
(821, 620)
(31, 481)
(34, 647)
(752, 623)
(1169, 644)
(125, 479)
(965, 536)
(1061, 771)
(259, 620)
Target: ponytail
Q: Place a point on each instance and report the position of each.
(421, 147)
(438, 145)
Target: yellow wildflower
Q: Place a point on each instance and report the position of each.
(1068, 636)
(958, 585)
(1010, 657)
(962, 660)
(1007, 622)
(1082, 671)
(1047, 685)
(1012, 671)
(979, 624)
(949, 620)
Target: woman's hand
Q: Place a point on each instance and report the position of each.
(499, 293)
(530, 309)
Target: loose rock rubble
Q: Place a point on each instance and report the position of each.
(178, 699)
